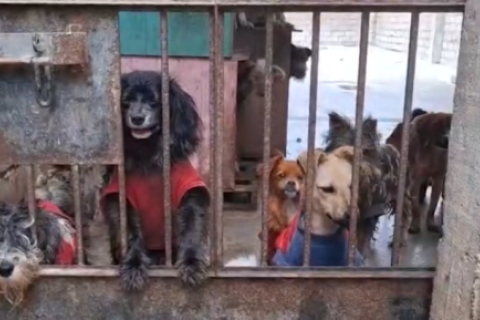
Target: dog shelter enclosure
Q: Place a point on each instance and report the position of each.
(63, 108)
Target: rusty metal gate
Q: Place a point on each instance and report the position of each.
(63, 108)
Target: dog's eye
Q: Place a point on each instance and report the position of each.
(300, 178)
(328, 189)
(281, 175)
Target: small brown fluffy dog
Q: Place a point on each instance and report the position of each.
(428, 153)
(286, 187)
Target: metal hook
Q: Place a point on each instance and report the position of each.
(43, 84)
(43, 74)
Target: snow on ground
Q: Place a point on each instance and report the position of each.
(384, 94)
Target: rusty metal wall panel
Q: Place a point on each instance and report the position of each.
(83, 124)
(232, 299)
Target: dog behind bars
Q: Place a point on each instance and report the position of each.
(379, 184)
(49, 237)
(141, 93)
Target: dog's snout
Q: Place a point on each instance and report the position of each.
(138, 121)
(291, 184)
(6, 269)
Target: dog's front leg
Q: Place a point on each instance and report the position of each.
(192, 219)
(133, 268)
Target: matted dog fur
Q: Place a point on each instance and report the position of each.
(428, 155)
(378, 176)
(28, 241)
(395, 139)
(143, 149)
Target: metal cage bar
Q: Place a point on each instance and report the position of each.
(218, 133)
(312, 124)
(360, 104)
(267, 133)
(407, 109)
(77, 203)
(167, 208)
(31, 199)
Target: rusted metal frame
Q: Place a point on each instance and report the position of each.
(360, 104)
(267, 132)
(338, 5)
(407, 109)
(312, 125)
(77, 202)
(260, 272)
(219, 123)
(167, 208)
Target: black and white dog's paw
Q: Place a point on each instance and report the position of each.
(192, 265)
(134, 272)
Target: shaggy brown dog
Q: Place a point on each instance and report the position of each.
(428, 153)
(286, 188)
(378, 176)
(395, 139)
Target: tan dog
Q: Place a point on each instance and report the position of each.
(332, 194)
(331, 191)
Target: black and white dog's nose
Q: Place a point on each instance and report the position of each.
(138, 121)
(6, 269)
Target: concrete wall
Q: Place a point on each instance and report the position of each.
(456, 294)
(438, 39)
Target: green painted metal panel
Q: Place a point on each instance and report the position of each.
(188, 34)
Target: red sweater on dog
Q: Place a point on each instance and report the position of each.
(67, 250)
(145, 195)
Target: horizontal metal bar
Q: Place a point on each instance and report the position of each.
(60, 48)
(260, 272)
(235, 3)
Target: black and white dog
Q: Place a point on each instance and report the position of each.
(142, 125)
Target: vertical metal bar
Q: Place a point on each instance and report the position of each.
(407, 109)
(267, 131)
(31, 192)
(312, 124)
(166, 141)
(122, 198)
(77, 202)
(219, 121)
(212, 115)
(360, 103)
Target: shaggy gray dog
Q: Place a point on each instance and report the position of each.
(49, 237)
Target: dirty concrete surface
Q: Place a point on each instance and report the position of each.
(384, 96)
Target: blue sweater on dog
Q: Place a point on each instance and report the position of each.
(325, 251)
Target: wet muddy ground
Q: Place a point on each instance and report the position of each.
(241, 229)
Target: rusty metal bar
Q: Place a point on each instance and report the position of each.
(32, 203)
(260, 272)
(312, 124)
(334, 5)
(219, 122)
(77, 202)
(267, 133)
(407, 109)
(212, 141)
(360, 104)
(167, 209)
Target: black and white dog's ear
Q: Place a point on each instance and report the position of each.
(185, 123)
